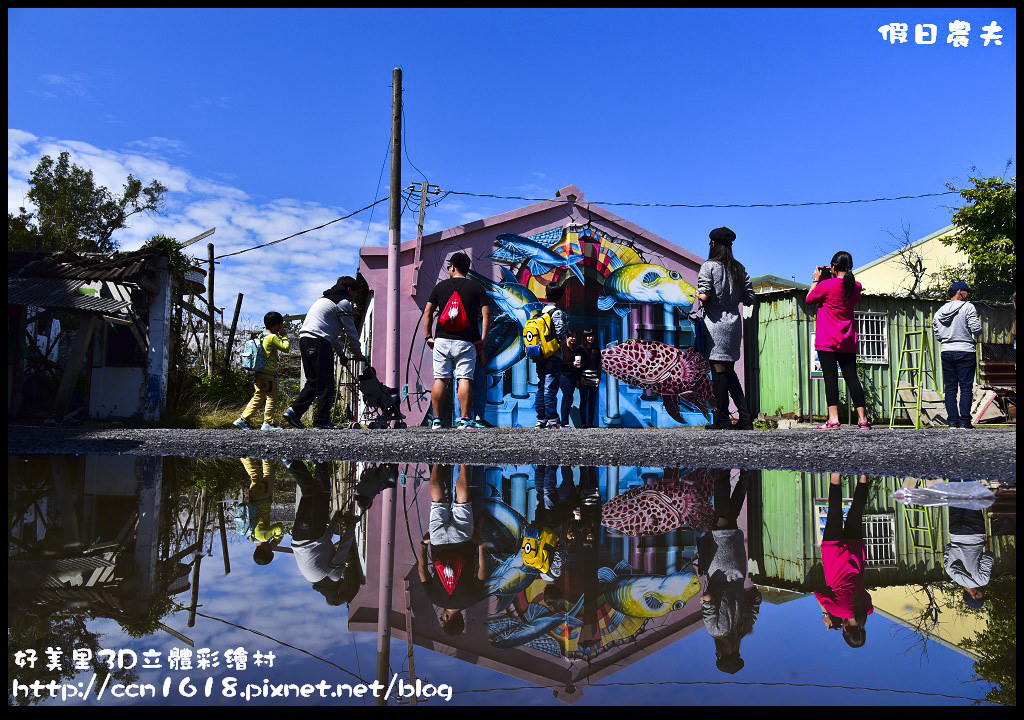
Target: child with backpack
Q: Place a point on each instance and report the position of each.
(260, 355)
(544, 337)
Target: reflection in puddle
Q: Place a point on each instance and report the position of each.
(572, 579)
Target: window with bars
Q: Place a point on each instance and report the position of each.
(872, 338)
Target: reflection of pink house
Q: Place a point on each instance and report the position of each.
(567, 225)
(413, 613)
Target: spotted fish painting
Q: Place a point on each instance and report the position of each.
(677, 375)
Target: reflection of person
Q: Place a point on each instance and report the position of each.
(332, 566)
(722, 284)
(730, 607)
(835, 334)
(957, 327)
(457, 555)
(583, 524)
(260, 529)
(965, 559)
(845, 603)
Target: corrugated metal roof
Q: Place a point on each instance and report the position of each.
(135, 267)
(58, 293)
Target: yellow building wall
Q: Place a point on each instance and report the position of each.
(889, 276)
(905, 603)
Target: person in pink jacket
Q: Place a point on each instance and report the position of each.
(845, 602)
(835, 338)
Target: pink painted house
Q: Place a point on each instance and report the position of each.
(566, 226)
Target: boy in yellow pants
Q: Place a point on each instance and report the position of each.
(265, 384)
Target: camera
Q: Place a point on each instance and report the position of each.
(825, 271)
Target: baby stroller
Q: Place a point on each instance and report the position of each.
(380, 401)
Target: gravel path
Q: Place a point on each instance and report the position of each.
(984, 454)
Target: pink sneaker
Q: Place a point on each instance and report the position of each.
(828, 426)
(865, 425)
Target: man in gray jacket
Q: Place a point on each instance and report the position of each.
(965, 559)
(957, 328)
(328, 319)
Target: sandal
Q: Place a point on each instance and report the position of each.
(828, 426)
(864, 425)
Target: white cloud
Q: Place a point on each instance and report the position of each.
(286, 277)
(74, 84)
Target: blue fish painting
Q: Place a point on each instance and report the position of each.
(544, 643)
(516, 302)
(647, 596)
(645, 283)
(540, 260)
(510, 578)
(504, 347)
(539, 621)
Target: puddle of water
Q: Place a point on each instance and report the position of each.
(213, 579)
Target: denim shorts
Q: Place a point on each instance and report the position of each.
(454, 355)
(450, 524)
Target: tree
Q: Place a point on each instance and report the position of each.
(986, 234)
(73, 212)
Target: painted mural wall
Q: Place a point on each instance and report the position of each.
(635, 289)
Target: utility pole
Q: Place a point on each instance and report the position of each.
(387, 507)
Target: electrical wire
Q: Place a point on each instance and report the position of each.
(405, 146)
(724, 682)
(376, 192)
(303, 232)
(705, 205)
(280, 642)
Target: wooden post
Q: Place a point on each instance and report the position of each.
(231, 335)
(213, 317)
(78, 352)
(223, 538)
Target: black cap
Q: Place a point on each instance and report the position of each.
(722, 235)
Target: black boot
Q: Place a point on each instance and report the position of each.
(736, 391)
(720, 388)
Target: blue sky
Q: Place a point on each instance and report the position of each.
(266, 122)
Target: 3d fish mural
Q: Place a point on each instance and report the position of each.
(645, 283)
(504, 347)
(602, 277)
(538, 621)
(670, 372)
(512, 248)
(647, 596)
(543, 643)
(515, 301)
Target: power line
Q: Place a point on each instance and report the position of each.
(705, 205)
(724, 682)
(303, 232)
(280, 642)
(405, 146)
(380, 177)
